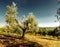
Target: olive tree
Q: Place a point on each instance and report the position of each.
(28, 22)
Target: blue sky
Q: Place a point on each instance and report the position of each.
(44, 11)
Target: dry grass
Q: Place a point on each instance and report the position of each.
(29, 40)
(44, 42)
(13, 42)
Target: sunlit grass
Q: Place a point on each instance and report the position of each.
(44, 42)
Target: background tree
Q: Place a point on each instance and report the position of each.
(58, 1)
(57, 29)
(58, 13)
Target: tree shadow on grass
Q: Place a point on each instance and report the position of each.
(31, 44)
(22, 44)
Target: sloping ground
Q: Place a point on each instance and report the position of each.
(13, 42)
(44, 42)
(29, 41)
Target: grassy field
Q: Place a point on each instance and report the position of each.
(45, 41)
(31, 40)
(53, 42)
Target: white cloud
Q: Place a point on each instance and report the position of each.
(55, 24)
